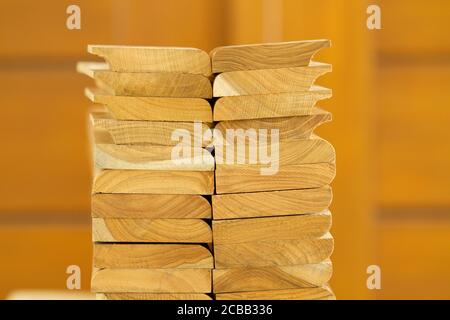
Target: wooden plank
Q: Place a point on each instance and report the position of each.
(272, 105)
(150, 206)
(307, 250)
(300, 127)
(271, 229)
(248, 178)
(276, 203)
(154, 59)
(145, 132)
(149, 84)
(152, 256)
(237, 83)
(272, 278)
(152, 108)
(322, 293)
(153, 296)
(151, 281)
(265, 56)
(154, 182)
(138, 157)
(150, 230)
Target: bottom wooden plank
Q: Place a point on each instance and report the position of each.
(323, 293)
(153, 296)
(151, 281)
(271, 278)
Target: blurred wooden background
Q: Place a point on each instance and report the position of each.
(390, 129)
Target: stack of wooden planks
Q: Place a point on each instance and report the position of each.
(271, 229)
(150, 217)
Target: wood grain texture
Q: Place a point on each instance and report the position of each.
(248, 178)
(243, 83)
(265, 56)
(272, 105)
(139, 157)
(154, 59)
(150, 230)
(299, 127)
(272, 278)
(152, 296)
(151, 281)
(322, 293)
(271, 229)
(152, 108)
(275, 203)
(267, 253)
(148, 84)
(144, 132)
(150, 206)
(154, 182)
(152, 256)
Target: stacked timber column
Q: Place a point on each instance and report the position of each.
(149, 215)
(271, 220)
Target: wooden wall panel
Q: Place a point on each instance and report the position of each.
(414, 259)
(36, 257)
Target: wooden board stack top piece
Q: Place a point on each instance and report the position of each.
(150, 210)
(271, 218)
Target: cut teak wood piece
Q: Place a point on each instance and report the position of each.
(150, 206)
(265, 56)
(243, 83)
(299, 127)
(147, 132)
(276, 203)
(147, 84)
(282, 153)
(271, 229)
(272, 278)
(152, 256)
(151, 281)
(153, 296)
(153, 59)
(148, 157)
(250, 178)
(150, 230)
(273, 105)
(152, 108)
(154, 182)
(322, 293)
(274, 252)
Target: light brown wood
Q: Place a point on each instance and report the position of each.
(268, 204)
(148, 84)
(265, 56)
(150, 230)
(272, 105)
(272, 278)
(271, 229)
(152, 296)
(152, 108)
(154, 59)
(283, 153)
(154, 182)
(152, 256)
(248, 178)
(139, 157)
(145, 132)
(150, 206)
(151, 281)
(307, 250)
(243, 83)
(300, 127)
(322, 293)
